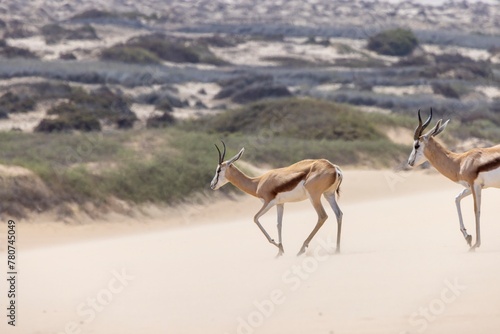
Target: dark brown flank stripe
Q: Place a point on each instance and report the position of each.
(290, 185)
(488, 166)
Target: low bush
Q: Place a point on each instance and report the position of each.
(129, 54)
(456, 66)
(256, 93)
(48, 90)
(65, 123)
(85, 110)
(446, 90)
(8, 51)
(394, 42)
(175, 49)
(67, 56)
(54, 33)
(93, 14)
(293, 118)
(163, 100)
(13, 103)
(19, 29)
(251, 88)
(161, 121)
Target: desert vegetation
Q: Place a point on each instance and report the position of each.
(84, 111)
(54, 33)
(13, 103)
(155, 47)
(395, 42)
(164, 164)
(146, 91)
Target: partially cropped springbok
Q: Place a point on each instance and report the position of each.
(302, 180)
(475, 169)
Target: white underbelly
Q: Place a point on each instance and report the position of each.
(490, 178)
(297, 194)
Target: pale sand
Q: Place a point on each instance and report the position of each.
(401, 252)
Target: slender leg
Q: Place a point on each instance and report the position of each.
(322, 216)
(476, 193)
(338, 213)
(466, 192)
(280, 208)
(262, 211)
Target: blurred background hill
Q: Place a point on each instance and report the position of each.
(107, 104)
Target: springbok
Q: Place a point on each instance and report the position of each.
(475, 169)
(302, 180)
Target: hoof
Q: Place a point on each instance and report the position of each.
(469, 240)
(473, 248)
(302, 251)
(281, 250)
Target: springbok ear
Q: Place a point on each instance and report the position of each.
(236, 157)
(439, 128)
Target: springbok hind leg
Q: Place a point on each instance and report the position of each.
(322, 217)
(476, 193)
(466, 192)
(280, 208)
(338, 213)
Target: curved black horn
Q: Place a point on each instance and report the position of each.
(421, 127)
(418, 130)
(427, 121)
(224, 152)
(220, 156)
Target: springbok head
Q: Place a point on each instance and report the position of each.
(220, 173)
(417, 156)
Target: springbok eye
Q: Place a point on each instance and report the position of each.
(417, 146)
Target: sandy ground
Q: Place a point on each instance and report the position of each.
(404, 268)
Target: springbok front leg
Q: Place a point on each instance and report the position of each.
(476, 193)
(466, 192)
(338, 213)
(280, 208)
(322, 217)
(262, 211)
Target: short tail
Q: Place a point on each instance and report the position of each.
(340, 177)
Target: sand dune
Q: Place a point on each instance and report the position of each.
(404, 268)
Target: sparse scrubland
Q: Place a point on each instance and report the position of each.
(116, 111)
(165, 165)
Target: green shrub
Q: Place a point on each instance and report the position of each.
(94, 14)
(129, 54)
(13, 103)
(293, 118)
(162, 121)
(176, 49)
(395, 42)
(74, 121)
(447, 90)
(54, 33)
(233, 86)
(49, 90)
(255, 93)
(463, 67)
(84, 110)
